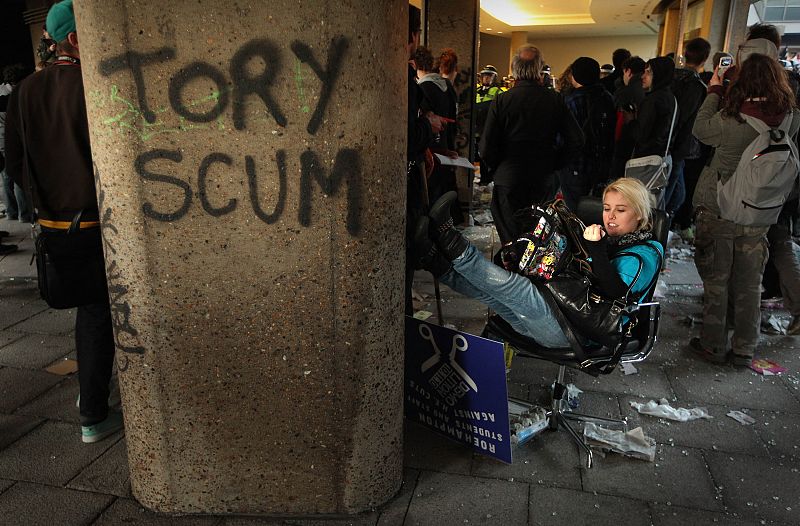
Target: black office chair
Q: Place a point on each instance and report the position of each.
(593, 360)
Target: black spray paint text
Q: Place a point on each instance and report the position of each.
(245, 85)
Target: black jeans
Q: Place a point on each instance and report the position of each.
(507, 200)
(94, 342)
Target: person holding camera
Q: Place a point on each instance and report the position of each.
(730, 257)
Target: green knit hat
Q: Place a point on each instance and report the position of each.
(61, 20)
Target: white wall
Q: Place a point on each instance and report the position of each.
(561, 52)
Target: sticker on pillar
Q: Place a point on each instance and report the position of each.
(455, 384)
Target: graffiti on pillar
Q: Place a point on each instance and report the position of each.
(126, 337)
(238, 96)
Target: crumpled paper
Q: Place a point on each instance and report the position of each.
(634, 443)
(662, 409)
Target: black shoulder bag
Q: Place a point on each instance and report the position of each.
(588, 311)
(69, 263)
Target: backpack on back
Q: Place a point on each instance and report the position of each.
(764, 178)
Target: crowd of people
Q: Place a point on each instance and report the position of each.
(573, 136)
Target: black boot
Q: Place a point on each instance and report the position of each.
(449, 240)
(427, 256)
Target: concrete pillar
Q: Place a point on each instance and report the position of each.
(250, 165)
(683, 6)
(670, 33)
(454, 24)
(736, 32)
(715, 24)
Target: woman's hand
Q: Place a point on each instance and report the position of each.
(593, 233)
(716, 79)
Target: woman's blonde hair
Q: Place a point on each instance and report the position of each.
(638, 197)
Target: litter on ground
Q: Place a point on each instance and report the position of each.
(766, 367)
(634, 443)
(742, 418)
(662, 409)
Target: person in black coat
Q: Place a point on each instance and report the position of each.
(654, 120)
(690, 92)
(519, 142)
(627, 98)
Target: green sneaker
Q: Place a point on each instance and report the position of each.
(100, 430)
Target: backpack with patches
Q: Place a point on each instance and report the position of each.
(764, 178)
(550, 242)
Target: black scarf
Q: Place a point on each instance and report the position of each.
(634, 238)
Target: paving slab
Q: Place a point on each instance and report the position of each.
(753, 488)
(550, 458)
(735, 387)
(50, 321)
(532, 371)
(18, 302)
(12, 427)
(19, 386)
(58, 403)
(5, 484)
(128, 511)
(679, 516)
(394, 512)
(51, 454)
(41, 505)
(678, 476)
(108, 474)
(425, 449)
(36, 351)
(9, 336)
(518, 390)
(469, 500)
(721, 433)
(604, 405)
(650, 381)
(364, 519)
(559, 506)
(780, 432)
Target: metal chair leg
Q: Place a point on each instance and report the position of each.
(610, 422)
(578, 440)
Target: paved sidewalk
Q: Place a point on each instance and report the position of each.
(707, 471)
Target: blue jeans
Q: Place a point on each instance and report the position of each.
(14, 198)
(676, 187)
(510, 295)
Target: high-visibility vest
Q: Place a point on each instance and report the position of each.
(483, 94)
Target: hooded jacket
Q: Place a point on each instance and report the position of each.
(439, 99)
(652, 125)
(690, 92)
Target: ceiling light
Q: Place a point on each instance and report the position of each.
(488, 29)
(520, 13)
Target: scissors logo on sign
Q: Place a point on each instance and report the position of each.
(459, 344)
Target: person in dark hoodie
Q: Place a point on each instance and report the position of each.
(627, 99)
(654, 120)
(690, 92)
(519, 142)
(421, 128)
(730, 257)
(618, 58)
(438, 99)
(593, 108)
